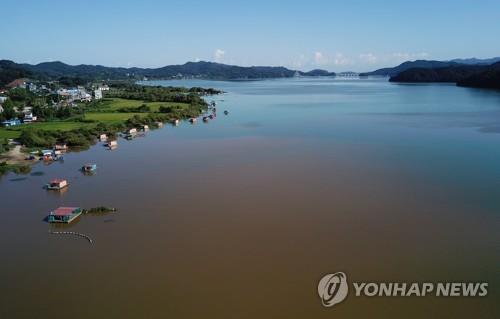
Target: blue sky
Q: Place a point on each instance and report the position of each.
(333, 35)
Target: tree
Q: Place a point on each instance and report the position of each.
(8, 110)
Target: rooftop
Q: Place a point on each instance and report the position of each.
(64, 211)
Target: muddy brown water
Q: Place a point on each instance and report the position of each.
(242, 216)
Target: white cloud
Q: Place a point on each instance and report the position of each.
(340, 59)
(219, 55)
(410, 56)
(319, 58)
(299, 61)
(368, 58)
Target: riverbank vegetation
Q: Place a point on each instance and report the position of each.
(15, 168)
(125, 105)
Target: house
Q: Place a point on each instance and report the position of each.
(12, 122)
(85, 97)
(103, 137)
(64, 214)
(32, 87)
(98, 94)
(18, 83)
(132, 131)
(3, 99)
(29, 117)
(103, 87)
(112, 144)
(57, 184)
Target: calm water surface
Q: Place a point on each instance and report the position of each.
(241, 217)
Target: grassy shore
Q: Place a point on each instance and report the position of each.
(107, 111)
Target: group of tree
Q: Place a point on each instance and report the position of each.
(132, 91)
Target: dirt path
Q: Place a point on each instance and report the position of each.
(14, 156)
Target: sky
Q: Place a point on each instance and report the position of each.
(304, 35)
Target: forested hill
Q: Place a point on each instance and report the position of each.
(422, 64)
(10, 71)
(209, 70)
(486, 76)
(430, 64)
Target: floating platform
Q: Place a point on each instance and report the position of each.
(89, 168)
(57, 184)
(64, 215)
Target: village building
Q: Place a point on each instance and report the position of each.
(61, 147)
(29, 117)
(18, 83)
(12, 122)
(98, 94)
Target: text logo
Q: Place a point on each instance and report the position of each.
(333, 289)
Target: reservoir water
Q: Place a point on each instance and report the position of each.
(240, 217)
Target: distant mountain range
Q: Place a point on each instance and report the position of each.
(469, 72)
(10, 70)
(476, 61)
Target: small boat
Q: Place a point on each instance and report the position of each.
(211, 116)
(205, 119)
(175, 122)
(89, 168)
(145, 128)
(226, 112)
(103, 137)
(192, 120)
(57, 184)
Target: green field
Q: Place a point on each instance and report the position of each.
(4, 133)
(114, 104)
(15, 132)
(111, 117)
(106, 111)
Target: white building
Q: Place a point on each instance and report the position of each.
(28, 118)
(98, 94)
